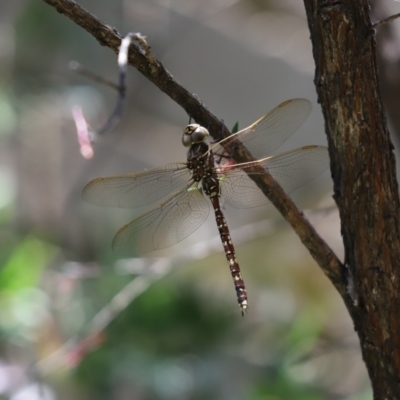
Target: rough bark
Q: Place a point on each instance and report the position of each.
(364, 174)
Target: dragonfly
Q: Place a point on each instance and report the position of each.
(209, 172)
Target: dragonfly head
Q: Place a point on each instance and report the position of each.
(194, 133)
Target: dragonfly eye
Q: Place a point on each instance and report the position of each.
(194, 133)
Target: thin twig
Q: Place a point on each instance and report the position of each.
(122, 65)
(121, 101)
(81, 70)
(156, 73)
(85, 136)
(385, 21)
(118, 111)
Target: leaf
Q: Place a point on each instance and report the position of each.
(235, 127)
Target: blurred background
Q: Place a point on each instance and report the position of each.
(77, 322)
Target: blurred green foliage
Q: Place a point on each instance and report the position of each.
(25, 265)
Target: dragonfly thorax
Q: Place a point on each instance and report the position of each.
(199, 161)
(194, 133)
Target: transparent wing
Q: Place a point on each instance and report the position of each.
(136, 190)
(292, 169)
(268, 133)
(163, 226)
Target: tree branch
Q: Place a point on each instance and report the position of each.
(156, 73)
(385, 20)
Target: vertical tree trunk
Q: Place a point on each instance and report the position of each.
(364, 175)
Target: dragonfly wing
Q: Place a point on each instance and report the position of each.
(239, 191)
(268, 133)
(136, 190)
(163, 226)
(291, 169)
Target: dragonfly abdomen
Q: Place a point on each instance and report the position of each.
(211, 188)
(224, 233)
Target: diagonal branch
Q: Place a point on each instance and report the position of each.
(385, 21)
(156, 73)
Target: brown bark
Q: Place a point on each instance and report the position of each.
(364, 174)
